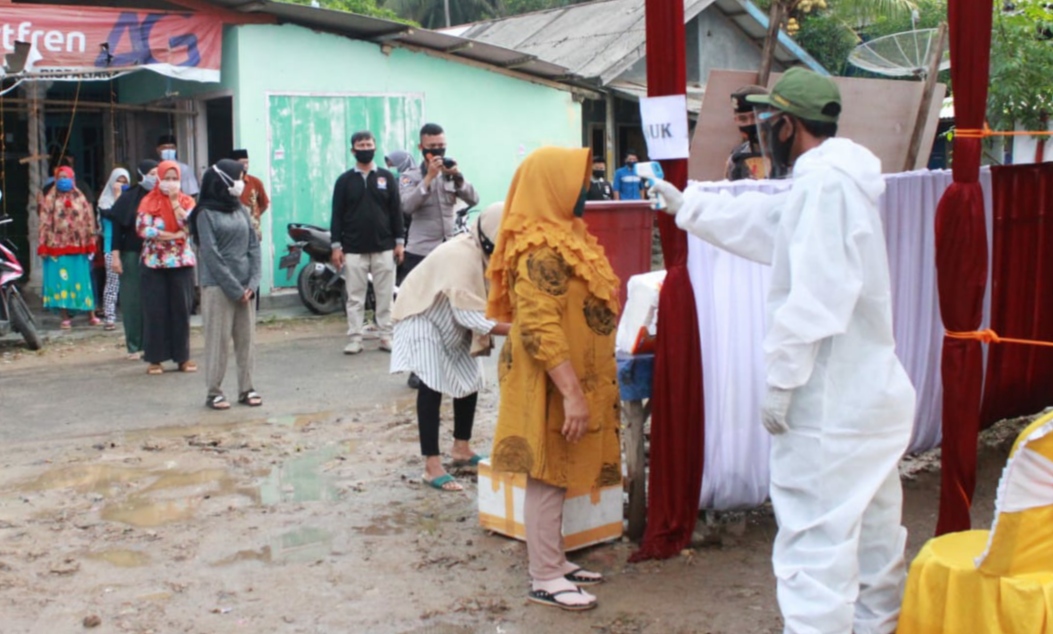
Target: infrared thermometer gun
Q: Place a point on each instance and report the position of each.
(652, 171)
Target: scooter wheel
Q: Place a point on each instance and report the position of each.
(22, 320)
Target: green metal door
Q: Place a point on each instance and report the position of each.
(310, 146)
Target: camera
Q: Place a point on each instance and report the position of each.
(449, 163)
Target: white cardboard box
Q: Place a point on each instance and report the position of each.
(589, 516)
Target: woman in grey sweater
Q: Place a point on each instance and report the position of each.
(229, 268)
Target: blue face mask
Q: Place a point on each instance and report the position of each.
(168, 155)
(64, 184)
(124, 187)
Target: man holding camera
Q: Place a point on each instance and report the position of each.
(429, 195)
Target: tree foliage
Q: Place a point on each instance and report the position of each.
(1021, 87)
(361, 7)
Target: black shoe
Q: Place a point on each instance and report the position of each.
(414, 381)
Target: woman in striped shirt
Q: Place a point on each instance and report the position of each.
(440, 327)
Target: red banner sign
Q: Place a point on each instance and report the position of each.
(74, 43)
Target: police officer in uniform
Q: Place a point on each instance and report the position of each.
(746, 160)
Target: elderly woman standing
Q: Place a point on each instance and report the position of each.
(559, 414)
(167, 273)
(66, 244)
(440, 325)
(115, 186)
(230, 272)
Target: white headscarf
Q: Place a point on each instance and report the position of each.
(106, 199)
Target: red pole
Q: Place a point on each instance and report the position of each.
(677, 422)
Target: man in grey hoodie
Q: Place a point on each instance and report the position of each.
(839, 406)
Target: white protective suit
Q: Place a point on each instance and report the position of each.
(838, 555)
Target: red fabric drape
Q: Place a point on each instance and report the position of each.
(676, 413)
(1020, 377)
(961, 263)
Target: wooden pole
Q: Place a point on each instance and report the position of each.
(16, 101)
(635, 416)
(775, 16)
(922, 119)
(609, 150)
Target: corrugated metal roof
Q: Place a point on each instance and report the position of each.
(380, 30)
(636, 91)
(600, 40)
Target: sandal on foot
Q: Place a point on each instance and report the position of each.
(66, 324)
(188, 366)
(582, 577)
(94, 321)
(552, 599)
(110, 326)
(250, 398)
(441, 483)
(217, 401)
(471, 462)
(155, 368)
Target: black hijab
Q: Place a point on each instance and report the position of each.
(125, 210)
(215, 194)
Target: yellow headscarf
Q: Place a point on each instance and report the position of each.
(539, 210)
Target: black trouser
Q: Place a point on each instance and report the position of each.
(409, 262)
(168, 298)
(428, 402)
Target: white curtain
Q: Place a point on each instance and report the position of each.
(730, 293)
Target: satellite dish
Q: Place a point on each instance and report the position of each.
(904, 54)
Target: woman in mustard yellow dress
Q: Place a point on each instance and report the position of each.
(559, 414)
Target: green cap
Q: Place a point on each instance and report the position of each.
(805, 94)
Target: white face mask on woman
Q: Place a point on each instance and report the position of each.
(234, 187)
(169, 187)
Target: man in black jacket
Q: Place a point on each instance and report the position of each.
(367, 239)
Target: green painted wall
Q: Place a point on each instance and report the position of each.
(492, 121)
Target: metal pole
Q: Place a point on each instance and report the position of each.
(446, 7)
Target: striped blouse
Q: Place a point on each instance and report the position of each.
(436, 345)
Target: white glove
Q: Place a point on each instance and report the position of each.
(773, 414)
(674, 200)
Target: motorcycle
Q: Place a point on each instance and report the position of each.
(320, 285)
(14, 313)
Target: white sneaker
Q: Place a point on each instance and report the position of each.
(353, 347)
(385, 345)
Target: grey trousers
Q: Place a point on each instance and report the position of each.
(223, 321)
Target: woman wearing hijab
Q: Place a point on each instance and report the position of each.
(167, 272)
(559, 413)
(127, 251)
(440, 326)
(229, 252)
(66, 245)
(115, 186)
(399, 161)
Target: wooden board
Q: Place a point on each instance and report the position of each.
(878, 114)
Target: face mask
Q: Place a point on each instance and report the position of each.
(124, 187)
(775, 150)
(168, 155)
(751, 133)
(630, 164)
(169, 187)
(64, 184)
(149, 182)
(365, 157)
(598, 173)
(234, 187)
(436, 152)
(579, 207)
(237, 189)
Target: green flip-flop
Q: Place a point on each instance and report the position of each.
(471, 462)
(440, 482)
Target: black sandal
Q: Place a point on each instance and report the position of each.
(549, 598)
(575, 577)
(217, 401)
(250, 398)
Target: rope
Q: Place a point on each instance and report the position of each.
(990, 336)
(967, 133)
(72, 119)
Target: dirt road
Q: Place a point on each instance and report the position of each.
(123, 499)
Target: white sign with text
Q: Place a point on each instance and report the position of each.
(665, 127)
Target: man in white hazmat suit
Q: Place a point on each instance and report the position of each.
(839, 406)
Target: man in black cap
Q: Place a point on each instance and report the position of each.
(746, 160)
(255, 196)
(166, 151)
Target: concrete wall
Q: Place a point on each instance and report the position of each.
(492, 120)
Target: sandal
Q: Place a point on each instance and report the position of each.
(94, 321)
(155, 368)
(250, 398)
(66, 324)
(471, 462)
(552, 599)
(578, 577)
(217, 401)
(110, 326)
(443, 482)
(188, 366)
